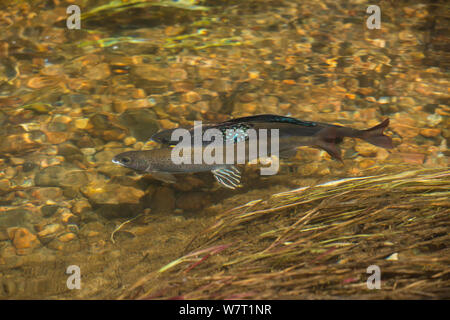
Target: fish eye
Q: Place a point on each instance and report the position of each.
(125, 160)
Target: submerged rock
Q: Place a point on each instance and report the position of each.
(112, 194)
(163, 200)
(23, 240)
(142, 123)
(61, 176)
(16, 143)
(114, 200)
(192, 201)
(14, 217)
(47, 193)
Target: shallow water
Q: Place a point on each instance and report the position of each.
(72, 99)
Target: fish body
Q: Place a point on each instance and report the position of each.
(160, 163)
(291, 133)
(286, 125)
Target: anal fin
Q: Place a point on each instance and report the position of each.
(164, 177)
(229, 177)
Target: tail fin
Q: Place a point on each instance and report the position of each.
(376, 137)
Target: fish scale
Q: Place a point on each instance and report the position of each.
(235, 133)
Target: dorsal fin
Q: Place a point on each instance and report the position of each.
(273, 118)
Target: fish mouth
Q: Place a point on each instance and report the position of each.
(117, 162)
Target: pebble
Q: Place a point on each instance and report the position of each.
(98, 72)
(61, 176)
(81, 123)
(247, 107)
(182, 86)
(177, 74)
(112, 194)
(81, 206)
(91, 229)
(57, 137)
(49, 230)
(128, 141)
(107, 154)
(366, 149)
(142, 123)
(5, 185)
(23, 240)
(152, 72)
(14, 217)
(190, 97)
(434, 119)
(366, 163)
(382, 154)
(49, 193)
(17, 143)
(430, 133)
(10, 172)
(69, 236)
(17, 161)
(69, 218)
(88, 151)
(68, 149)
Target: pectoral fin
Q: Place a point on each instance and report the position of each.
(164, 177)
(229, 177)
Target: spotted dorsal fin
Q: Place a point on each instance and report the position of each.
(229, 177)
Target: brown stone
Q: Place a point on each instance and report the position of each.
(163, 200)
(366, 149)
(69, 236)
(429, 133)
(191, 97)
(98, 72)
(49, 193)
(405, 131)
(5, 185)
(57, 137)
(17, 142)
(81, 206)
(366, 163)
(49, 230)
(23, 240)
(192, 201)
(166, 124)
(112, 194)
(182, 86)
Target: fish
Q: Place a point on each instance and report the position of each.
(292, 133)
(160, 164)
(240, 126)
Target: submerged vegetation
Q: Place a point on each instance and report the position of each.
(317, 242)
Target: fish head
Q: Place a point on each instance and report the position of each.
(133, 160)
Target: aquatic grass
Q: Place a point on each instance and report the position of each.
(317, 242)
(116, 6)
